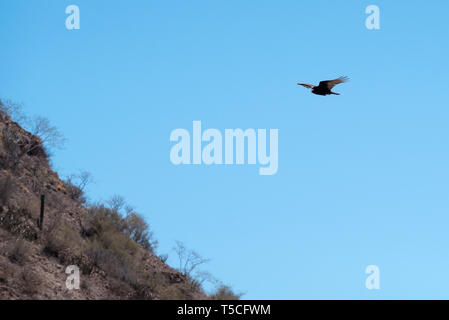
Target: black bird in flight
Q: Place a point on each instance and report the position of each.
(325, 87)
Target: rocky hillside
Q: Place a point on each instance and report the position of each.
(113, 251)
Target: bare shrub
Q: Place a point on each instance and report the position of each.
(156, 281)
(174, 292)
(115, 256)
(18, 251)
(76, 185)
(119, 289)
(50, 136)
(189, 260)
(115, 246)
(189, 263)
(11, 144)
(101, 219)
(200, 278)
(17, 222)
(116, 203)
(109, 247)
(60, 240)
(7, 187)
(31, 206)
(163, 257)
(224, 292)
(7, 271)
(31, 281)
(137, 228)
(13, 110)
(134, 226)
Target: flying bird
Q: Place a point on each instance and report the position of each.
(325, 87)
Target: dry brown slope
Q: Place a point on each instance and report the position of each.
(28, 268)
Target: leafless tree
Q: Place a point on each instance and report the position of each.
(45, 136)
(12, 110)
(49, 134)
(189, 263)
(189, 260)
(116, 202)
(76, 185)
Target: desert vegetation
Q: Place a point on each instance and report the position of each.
(111, 242)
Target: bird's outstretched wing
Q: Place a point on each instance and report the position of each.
(310, 86)
(332, 83)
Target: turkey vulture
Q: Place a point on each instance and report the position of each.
(325, 87)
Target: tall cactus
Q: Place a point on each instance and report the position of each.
(41, 219)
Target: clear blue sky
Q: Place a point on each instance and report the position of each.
(363, 177)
